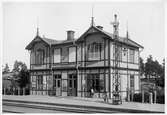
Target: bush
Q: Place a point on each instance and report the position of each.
(27, 91)
(8, 92)
(138, 98)
(161, 99)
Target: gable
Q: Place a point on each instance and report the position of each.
(91, 30)
(108, 35)
(36, 40)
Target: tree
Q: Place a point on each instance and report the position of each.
(24, 78)
(152, 68)
(6, 69)
(21, 73)
(149, 67)
(161, 72)
(18, 65)
(141, 66)
(156, 70)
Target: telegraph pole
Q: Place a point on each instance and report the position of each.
(116, 78)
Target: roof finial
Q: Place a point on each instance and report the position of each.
(127, 33)
(92, 21)
(37, 27)
(37, 31)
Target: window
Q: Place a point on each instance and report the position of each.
(39, 57)
(72, 54)
(57, 81)
(70, 83)
(39, 82)
(33, 82)
(33, 78)
(96, 82)
(57, 56)
(132, 55)
(94, 51)
(120, 53)
(132, 81)
(72, 80)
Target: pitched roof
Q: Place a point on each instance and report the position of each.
(55, 42)
(124, 40)
(110, 35)
(48, 41)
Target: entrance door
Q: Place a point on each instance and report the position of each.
(57, 85)
(93, 82)
(72, 85)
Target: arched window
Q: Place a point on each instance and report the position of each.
(94, 51)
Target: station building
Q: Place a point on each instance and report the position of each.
(74, 66)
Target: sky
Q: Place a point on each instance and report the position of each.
(144, 20)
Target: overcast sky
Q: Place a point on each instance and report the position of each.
(145, 24)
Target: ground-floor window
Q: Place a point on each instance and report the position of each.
(39, 82)
(57, 80)
(132, 82)
(95, 82)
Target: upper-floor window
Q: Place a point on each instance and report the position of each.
(131, 55)
(72, 54)
(39, 58)
(57, 55)
(94, 51)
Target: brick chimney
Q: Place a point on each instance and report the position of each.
(70, 35)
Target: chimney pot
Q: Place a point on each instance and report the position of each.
(100, 27)
(70, 35)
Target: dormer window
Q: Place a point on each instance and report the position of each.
(94, 51)
(39, 58)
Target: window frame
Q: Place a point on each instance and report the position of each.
(97, 82)
(39, 56)
(132, 81)
(60, 56)
(39, 81)
(131, 55)
(69, 54)
(94, 50)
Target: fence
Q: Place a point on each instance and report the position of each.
(16, 91)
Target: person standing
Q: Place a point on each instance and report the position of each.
(92, 92)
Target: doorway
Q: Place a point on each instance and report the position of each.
(72, 85)
(57, 85)
(95, 82)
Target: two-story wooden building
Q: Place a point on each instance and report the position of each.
(73, 67)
